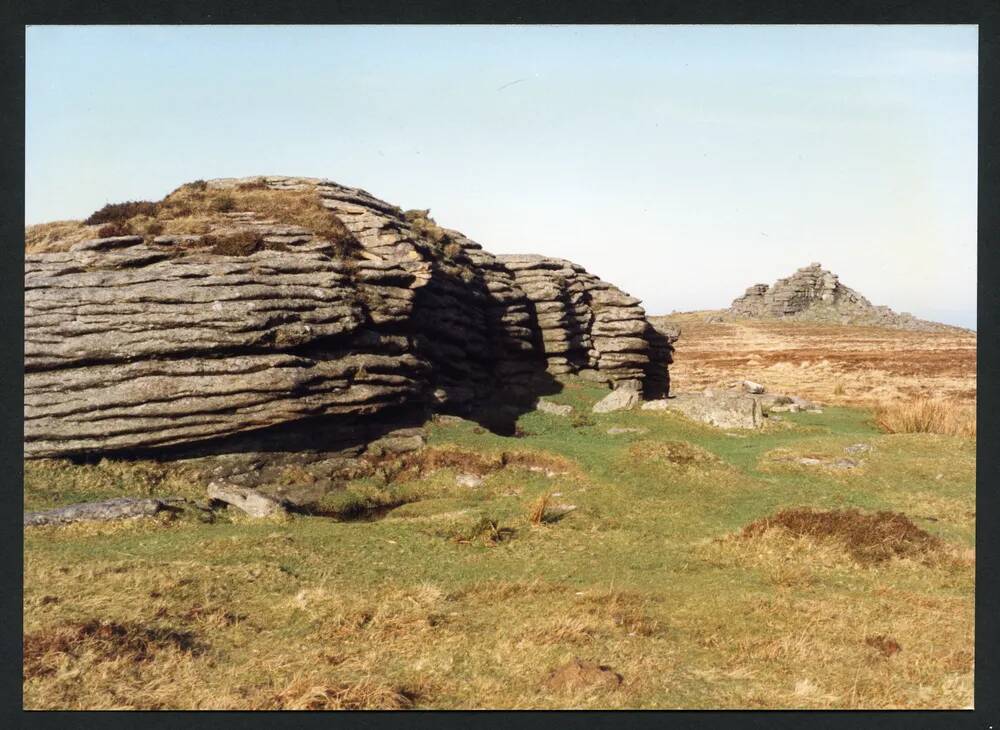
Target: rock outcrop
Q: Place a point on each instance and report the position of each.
(259, 335)
(590, 328)
(815, 294)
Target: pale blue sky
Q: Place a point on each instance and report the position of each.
(682, 163)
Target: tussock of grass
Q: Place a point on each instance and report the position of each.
(870, 538)
(426, 461)
(426, 227)
(680, 453)
(56, 236)
(111, 230)
(536, 515)
(927, 415)
(100, 641)
(486, 531)
(242, 243)
(365, 694)
(197, 209)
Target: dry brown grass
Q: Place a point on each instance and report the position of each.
(366, 694)
(198, 209)
(833, 364)
(100, 641)
(56, 236)
(869, 538)
(680, 453)
(426, 461)
(927, 415)
(536, 514)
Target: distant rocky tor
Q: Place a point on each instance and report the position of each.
(815, 294)
(282, 320)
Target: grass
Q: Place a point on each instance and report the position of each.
(199, 209)
(450, 596)
(927, 415)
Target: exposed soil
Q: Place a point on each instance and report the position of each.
(869, 538)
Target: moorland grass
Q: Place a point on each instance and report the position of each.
(458, 596)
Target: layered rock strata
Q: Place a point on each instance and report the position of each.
(163, 345)
(589, 327)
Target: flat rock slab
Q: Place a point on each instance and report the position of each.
(121, 508)
(621, 399)
(719, 410)
(555, 409)
(618, 430)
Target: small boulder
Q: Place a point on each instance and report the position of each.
(857, 448)
(250, 501)
(620, 399)
(844, 464)
(555, 409)
(754, 388)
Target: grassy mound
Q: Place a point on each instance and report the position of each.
(869, 538)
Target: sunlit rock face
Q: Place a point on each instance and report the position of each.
(141, 344)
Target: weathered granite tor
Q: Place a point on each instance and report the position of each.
(162, 346)
(815, 294)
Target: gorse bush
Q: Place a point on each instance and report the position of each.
(927, 415)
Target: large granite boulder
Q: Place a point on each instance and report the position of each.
(264, 336)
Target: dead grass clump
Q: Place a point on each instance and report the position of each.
(111, 230)
(927, 415)
(106, 640)
(121, 212)
(365, 694)
(429, 460)
(194, 204)
(680, 453)
(503, 590)
(55, 236)
(625, 611)
(869, 538)
(487, 531)
(577, 675)
(536, 515)
(421, 222)
(222, 203)
(425, 461)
